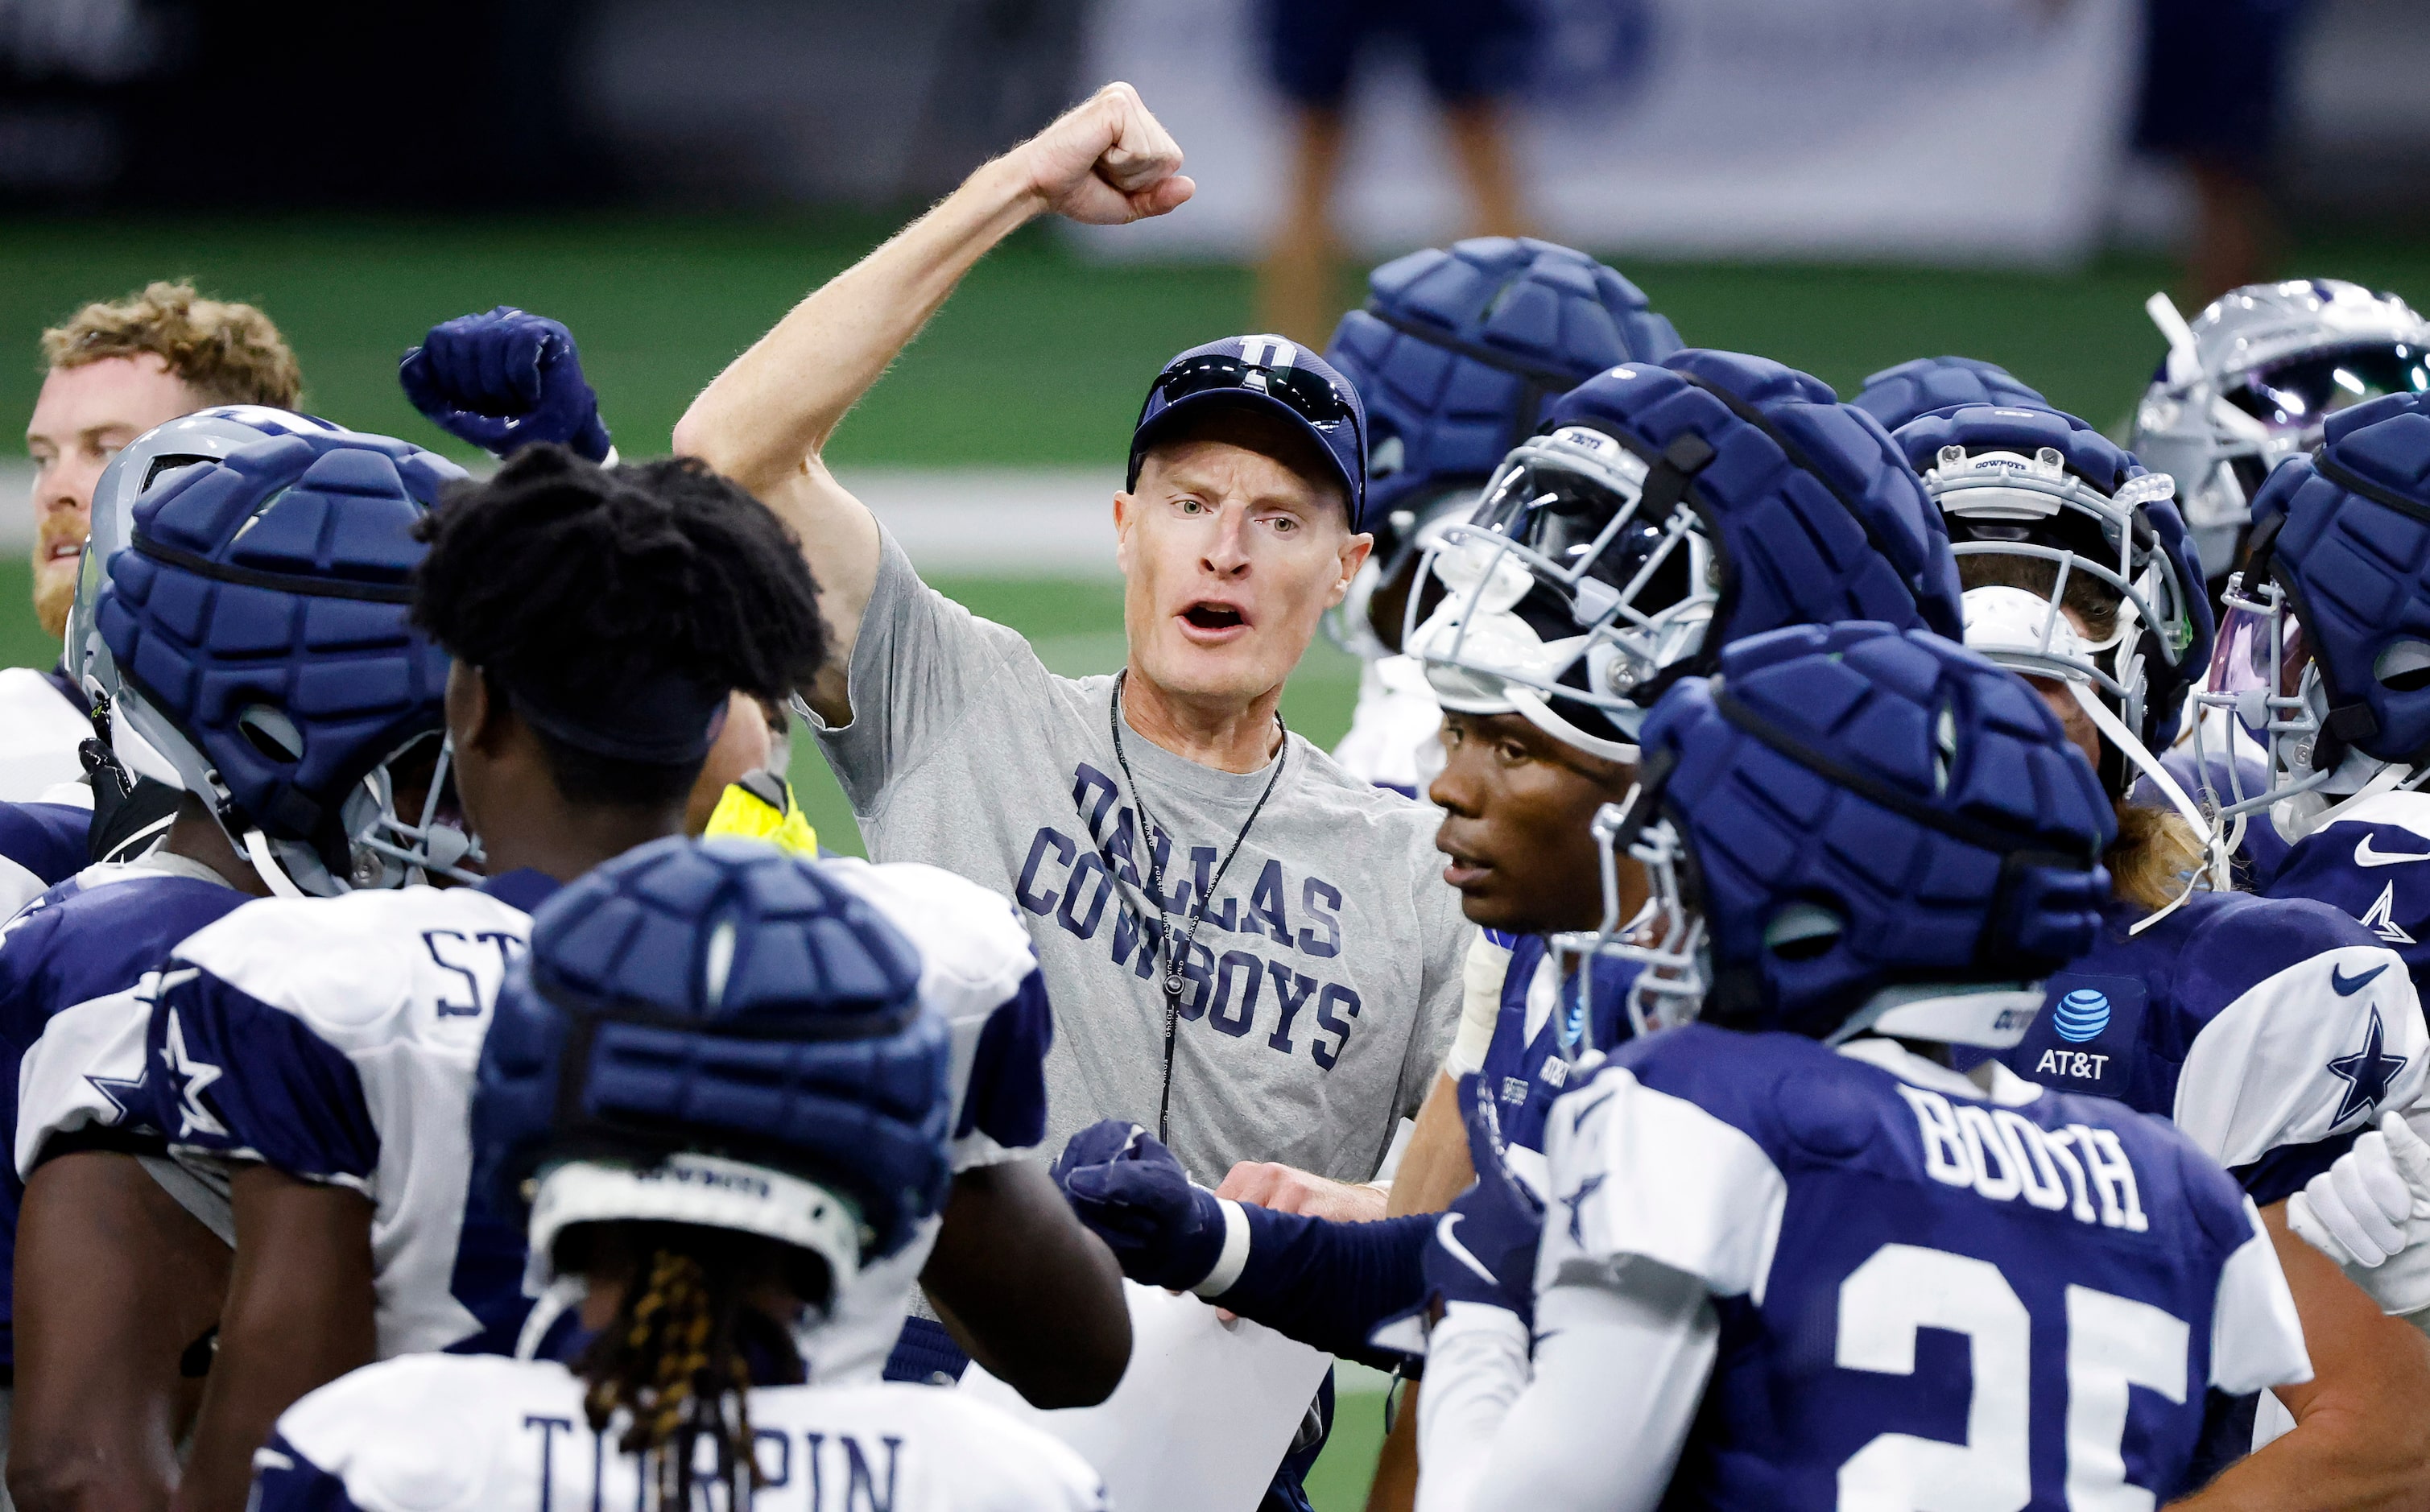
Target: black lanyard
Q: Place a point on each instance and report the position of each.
(1169, 958)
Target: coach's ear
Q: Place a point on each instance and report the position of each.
(1125, 504)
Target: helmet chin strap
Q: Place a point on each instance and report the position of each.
(265, 865)
(2215, 857)
(1531, 704)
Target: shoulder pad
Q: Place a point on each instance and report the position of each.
(973, 953)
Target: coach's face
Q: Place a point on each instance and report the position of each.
(1229, 559)
(82, 417)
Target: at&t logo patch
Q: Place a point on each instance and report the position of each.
(2081, 1015)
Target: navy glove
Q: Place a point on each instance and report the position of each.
(504, 381)
(1484, 1249)
(1129, 1190)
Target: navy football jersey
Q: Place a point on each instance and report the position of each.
(42, 845)
(1926, 1297)
(72, 1011)
(2367, 863)
(1525, 1062)
(2271, 1031)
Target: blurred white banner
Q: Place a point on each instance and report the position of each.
(1954, 131)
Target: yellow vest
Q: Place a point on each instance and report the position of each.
(761, 808)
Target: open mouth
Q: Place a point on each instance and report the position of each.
(1460, 869)
(1213, 616)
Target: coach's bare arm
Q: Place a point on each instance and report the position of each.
(765, 420)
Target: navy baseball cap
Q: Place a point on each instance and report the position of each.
(1278, 374)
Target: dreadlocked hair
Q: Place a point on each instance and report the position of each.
(687, 1346)
(584, 580)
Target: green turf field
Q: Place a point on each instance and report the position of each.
(1041, 358)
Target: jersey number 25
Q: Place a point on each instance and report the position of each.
(2112, 1343)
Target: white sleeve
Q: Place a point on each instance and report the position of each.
(1481, 978)
(85, 1068)
(1641, 1173)
(2278, 1065)
(1623, 1361)
(2255, 1339)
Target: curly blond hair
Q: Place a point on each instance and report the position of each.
(226, 353)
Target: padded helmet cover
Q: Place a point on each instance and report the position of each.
(726, 997)
(1924, 799)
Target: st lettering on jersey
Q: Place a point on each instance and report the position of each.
(2086, 1037)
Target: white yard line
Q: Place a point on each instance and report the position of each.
(977, 522)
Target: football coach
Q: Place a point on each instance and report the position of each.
(1247, 951)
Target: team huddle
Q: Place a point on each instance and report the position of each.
(1920, 1010)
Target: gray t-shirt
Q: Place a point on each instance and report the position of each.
(1324, 983)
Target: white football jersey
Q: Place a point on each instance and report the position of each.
(1396, 737)
(40, 731)
(335, 1038)
(979, 972)
(462, 1434)
(338, 1038)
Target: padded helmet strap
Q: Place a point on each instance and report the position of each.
(299, 583)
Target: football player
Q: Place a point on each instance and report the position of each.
(2271, 1031)
(2321, 663)
(507, 380)
(718, 1090)
(2250, 382)
(316, 1058)
(250, 648)
(114, 371)
(1591, 577)
(1790, 1256)
(1458, 354)
(1898, 396)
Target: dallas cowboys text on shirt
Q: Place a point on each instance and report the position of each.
(1086, 886)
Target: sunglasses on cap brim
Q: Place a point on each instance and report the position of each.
(1308, 396)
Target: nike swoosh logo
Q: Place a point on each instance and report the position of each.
(2366, 857)
(1444, 1236)
(2348, 986)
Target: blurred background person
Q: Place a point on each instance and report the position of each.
(1474, 54)
(2214, 101)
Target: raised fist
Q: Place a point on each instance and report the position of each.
(503, 381)
(1107, 161)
